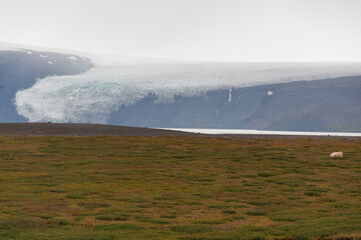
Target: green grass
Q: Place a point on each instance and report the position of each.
(178, 188)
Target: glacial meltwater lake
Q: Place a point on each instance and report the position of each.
(264, 132)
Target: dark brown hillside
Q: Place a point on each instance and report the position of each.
(73, 129)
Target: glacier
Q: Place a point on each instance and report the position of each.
(92, 96)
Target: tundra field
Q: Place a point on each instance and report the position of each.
(116, 187)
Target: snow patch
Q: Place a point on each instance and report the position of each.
(50, 62)
(43, 56)
(72, 58)
(230, 95)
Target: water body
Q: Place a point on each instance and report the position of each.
(261, 132)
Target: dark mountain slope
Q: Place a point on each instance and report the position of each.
(322, 105)
(20, 69)
(324, 117)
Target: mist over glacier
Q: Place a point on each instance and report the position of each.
(91, 97)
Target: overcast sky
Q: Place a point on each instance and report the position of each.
(224, 30)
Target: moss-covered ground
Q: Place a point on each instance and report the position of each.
(179, 188)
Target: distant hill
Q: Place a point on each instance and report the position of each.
(316, 105)
(19, 69)
(320, 105)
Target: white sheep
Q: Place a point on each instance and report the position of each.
(336, 155)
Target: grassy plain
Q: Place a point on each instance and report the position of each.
(179, 188)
